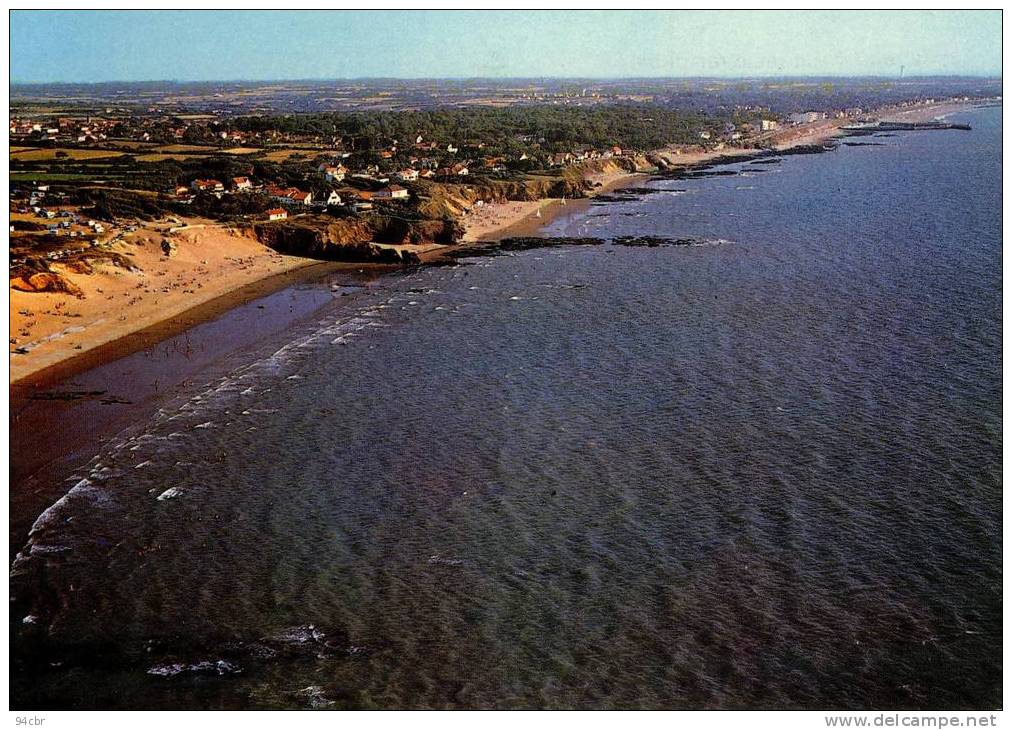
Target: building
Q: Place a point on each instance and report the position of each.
(334, 173)
(767, 125)
(391, 192)
(207, 186)
(277, 214)
(289, 196)
(805, 117)
(241, 184)
(407, 175)
(333, 198)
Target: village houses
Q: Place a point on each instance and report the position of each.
(391, 192)
(289, 196)
(207, 186)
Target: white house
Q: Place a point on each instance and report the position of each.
(277, 214)
(805, 117)
(290, 196)
(207, 185)
(333, 173)
(392, 192)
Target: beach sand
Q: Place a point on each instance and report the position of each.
(494, 221)
(208, 261)
(924, 113)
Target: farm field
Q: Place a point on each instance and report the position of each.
(36, 155)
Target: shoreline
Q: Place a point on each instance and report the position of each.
(263, 271)
(150, 334)
(103, 327)
(520, 218)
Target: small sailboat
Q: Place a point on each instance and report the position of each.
(538, 212)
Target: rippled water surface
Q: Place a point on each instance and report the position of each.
(759, 473)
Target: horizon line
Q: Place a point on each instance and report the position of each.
(318, 79)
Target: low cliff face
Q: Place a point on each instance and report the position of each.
(612, 165)
(576, 181)
(440, 205)
(351, 239)
(445, 200)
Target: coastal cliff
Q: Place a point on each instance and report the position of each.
(354, 239)
(448, 200)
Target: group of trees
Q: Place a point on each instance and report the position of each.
(501, 130)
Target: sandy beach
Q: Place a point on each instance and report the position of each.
(517, 218)
(209, 261)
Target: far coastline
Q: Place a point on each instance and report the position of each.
(219, 267)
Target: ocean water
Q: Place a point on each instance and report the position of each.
(759, 473)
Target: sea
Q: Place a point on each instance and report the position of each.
(762, 471)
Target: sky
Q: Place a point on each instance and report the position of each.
(193, 45)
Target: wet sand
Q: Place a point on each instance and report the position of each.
(209, 261)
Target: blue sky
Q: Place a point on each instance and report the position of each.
(190, 45)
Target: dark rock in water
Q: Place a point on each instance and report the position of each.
(768, 161)
(754, 169)
(885, 134)
(608, 198)
(809, 149)
(654, 241)
(696, 174)
(637, 191)
(522, 243)
(863, 144)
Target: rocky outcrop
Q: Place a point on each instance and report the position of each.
(45, 281)
(354, 239)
